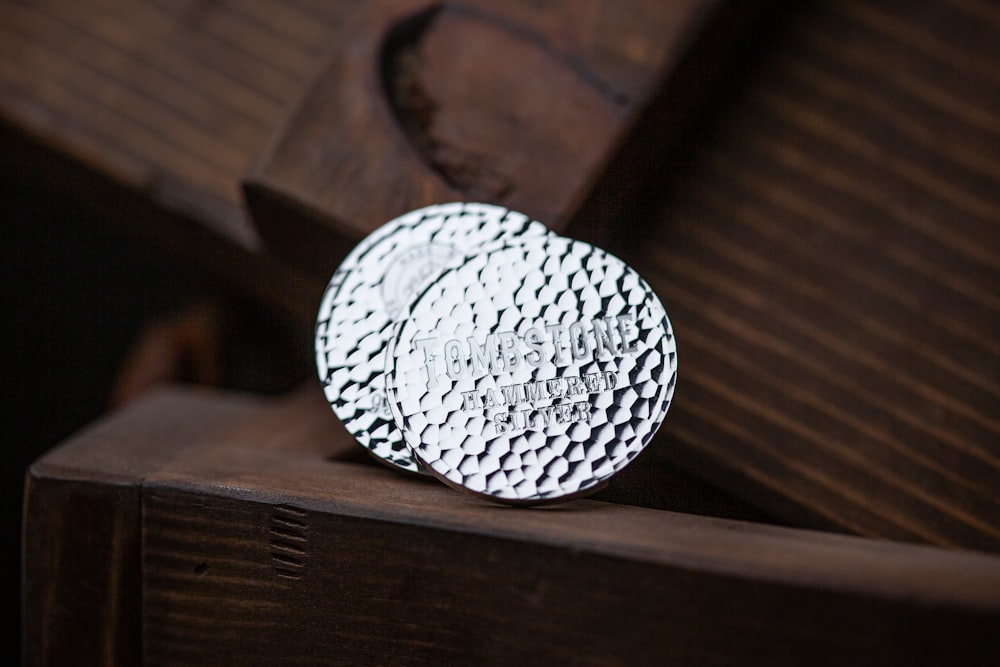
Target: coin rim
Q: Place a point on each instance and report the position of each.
(390, 375)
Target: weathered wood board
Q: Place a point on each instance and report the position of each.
(237, 538)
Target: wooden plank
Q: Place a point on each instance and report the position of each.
(830, 260)
(166, 104)
(423, 105)
(149, 114)
(259, 542)
(266, 554)
(81, 585)
(351, 563)
(831, 264)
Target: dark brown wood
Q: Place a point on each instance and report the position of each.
(522, 103)
(81, 585)
(168, 103)
(256, 548)
(829, 259)
(831, 264)
(150, 113)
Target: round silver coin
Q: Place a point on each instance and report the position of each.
(532, 372)
(368, 291)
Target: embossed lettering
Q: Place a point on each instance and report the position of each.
(506, 351)
(626, 322)
(427, 345)
(533, 339)
(455, 364)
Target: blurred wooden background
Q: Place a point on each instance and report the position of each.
(820, 216)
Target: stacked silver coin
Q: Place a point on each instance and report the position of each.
(468, 342)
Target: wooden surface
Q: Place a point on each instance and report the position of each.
(82, 600)
(155, 113)
(150, 114)
(170, 97)
(829, 257)
(831, 264)
(423, 104)
(256, 548)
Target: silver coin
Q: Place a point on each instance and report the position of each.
(368, 291)
(532, 372)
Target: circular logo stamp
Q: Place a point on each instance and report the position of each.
(533, 371)
(410, 268)
(371, 286)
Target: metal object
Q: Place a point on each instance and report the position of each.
(531, 372)
(368, 291)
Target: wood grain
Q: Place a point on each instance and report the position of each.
(254, 547)
(403, 571)
(831, 262)
(430, 103)
(150, 114)
(153, 114)
(81, 570)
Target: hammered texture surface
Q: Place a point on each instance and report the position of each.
(532, 372)
(368, 291)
